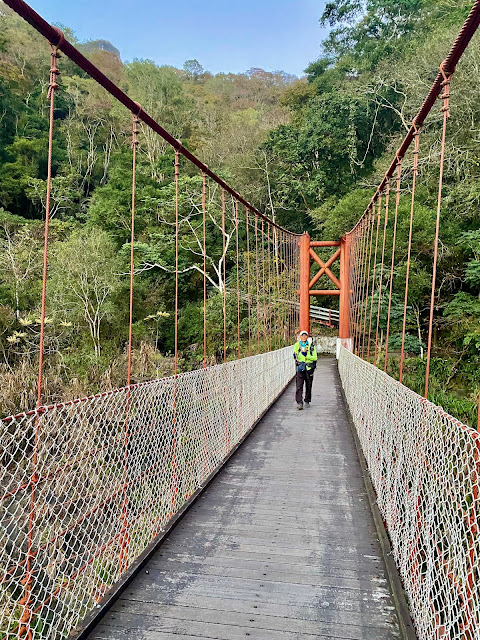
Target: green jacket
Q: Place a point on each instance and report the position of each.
(309, 358)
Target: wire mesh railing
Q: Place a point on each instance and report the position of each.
(424, 463)
(87, 485)
(424, 466)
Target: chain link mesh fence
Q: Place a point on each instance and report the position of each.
(424, 466)
(87, 485)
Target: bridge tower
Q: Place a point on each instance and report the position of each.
(307, 284)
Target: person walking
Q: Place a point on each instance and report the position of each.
(305, 355)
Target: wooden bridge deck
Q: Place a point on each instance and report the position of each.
(282, 545)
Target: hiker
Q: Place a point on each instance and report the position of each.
(305, 355)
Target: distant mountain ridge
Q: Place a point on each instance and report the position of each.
(99, 45)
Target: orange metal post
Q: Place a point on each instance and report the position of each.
(305, 282)
(344, 329)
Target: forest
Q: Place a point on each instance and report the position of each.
(307, 151)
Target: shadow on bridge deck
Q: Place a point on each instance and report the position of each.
(282, 545)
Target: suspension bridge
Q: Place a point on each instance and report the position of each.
(200, 505)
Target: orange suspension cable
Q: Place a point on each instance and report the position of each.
(409, 252)
(132, 243)
(238, 279)
(177, 175)
(379, 210)
(283, 316)
(224, 281)
(124, 538)
(257, 285)
(359, 284)
(224, 301)
(204, 229)
(296, 270)
(277, 284)
(363, 279)
(397, 203)
(205, 462)
(174, 491)
(248, 283)
(263, 289)
(446, 113)
(293, 314)
(358, 273)
(26, 617)
(367, 296)
(269, 289)
(54, 72)
(380, 284)
(288, 288)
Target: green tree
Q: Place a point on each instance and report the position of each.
(84, 276)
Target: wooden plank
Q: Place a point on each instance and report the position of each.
(189, 571)
(232, 626)
(267, 618)
(281, 546)
(320, 612)
(340, 568)
(360, 563)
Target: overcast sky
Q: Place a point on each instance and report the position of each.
(222, 35)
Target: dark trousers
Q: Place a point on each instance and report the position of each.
(304, 377)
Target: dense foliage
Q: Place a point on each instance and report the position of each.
(309, 152)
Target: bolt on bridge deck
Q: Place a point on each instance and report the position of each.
(282, 545)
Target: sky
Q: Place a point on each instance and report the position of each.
(222, 35)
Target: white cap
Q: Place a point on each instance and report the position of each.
(302, 332)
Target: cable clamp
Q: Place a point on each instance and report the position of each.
(61, 40)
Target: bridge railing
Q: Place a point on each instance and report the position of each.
(425, 469)
(424, 463)
(87, 485)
